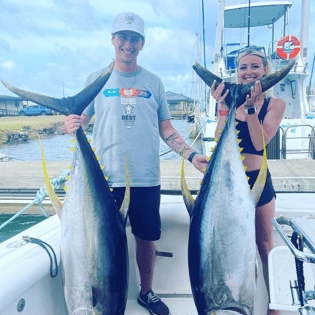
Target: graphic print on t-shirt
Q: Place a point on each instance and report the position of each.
(128, 98)
(128, 120)
(127, 93)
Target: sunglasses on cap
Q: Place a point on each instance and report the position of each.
(251, 47)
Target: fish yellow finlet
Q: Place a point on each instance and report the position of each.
(102, 167)
(216, 139)
(239, 140)
(220, 131)
(236, 123)
(85, 132)
(66, 188)
(72, 149)
(98, 158)
(68, 177)
(212, 149)
(209, 158)
(238, 131)
(240, 149)
(70, 167)
(245, 167)
(72, 140)
(111, 189)
(93, 149)
(106, 177)
(89, 140)
(224, 122)
(205, 169)
(242, 157)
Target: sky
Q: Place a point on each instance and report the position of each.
(51, 46)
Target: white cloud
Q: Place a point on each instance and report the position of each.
(68, 39)
(9, 64)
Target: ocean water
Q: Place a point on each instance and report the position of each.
(21, 223)
(57, 148)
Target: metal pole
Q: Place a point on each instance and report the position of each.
(204, 47)
(248, 38)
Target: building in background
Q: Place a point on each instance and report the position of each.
(180, 106)
(10, 105)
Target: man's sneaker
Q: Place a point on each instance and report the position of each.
(153, 303)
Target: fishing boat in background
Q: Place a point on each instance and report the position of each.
(295, 137)
(26, 269)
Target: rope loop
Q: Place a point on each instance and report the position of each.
(43, 245)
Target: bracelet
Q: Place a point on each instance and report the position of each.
(223, 112)
(191, 156)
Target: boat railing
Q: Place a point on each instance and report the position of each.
(302, 237)
(311, 137)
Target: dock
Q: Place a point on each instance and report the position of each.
(27, 176)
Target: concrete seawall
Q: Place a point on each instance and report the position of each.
(287, 175)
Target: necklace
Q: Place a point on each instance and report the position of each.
(134, 82)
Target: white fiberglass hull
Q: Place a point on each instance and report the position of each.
(24, 270)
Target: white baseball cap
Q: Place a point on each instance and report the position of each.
(128, 21)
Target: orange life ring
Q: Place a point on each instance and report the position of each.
(288, 54)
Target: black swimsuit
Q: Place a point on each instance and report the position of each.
(244, 135)
(246, 143)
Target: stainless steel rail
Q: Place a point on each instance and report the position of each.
(310, 258)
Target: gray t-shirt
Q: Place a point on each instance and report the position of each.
(127, 114)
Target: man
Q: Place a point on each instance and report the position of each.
(131, 113)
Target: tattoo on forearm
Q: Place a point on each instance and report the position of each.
(175, 142)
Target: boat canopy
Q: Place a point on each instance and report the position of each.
(261, 13)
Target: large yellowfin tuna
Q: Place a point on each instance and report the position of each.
(222, 247)
(93, 239)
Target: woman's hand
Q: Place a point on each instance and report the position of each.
(217, 95)
(72, 123)
(256, 96)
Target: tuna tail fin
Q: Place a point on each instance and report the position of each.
(261, 179)
(57, 204)
(69, 105)
(266, 82)
(125, 204)
(188, 198)
(237, 91)
(208, 77)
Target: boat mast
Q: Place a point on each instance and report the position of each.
(248, 32)
(204, 47)
(218, 48)
(304, 28)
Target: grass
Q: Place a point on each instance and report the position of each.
(30, 124)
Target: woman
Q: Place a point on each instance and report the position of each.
(258, 109)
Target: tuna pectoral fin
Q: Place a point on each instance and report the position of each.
(261, 179)
(57, 204)
(125, 204)
(188, 198)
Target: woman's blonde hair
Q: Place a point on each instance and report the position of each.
(266, 62)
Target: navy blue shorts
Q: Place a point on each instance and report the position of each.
(268, 192)
(144, 211)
